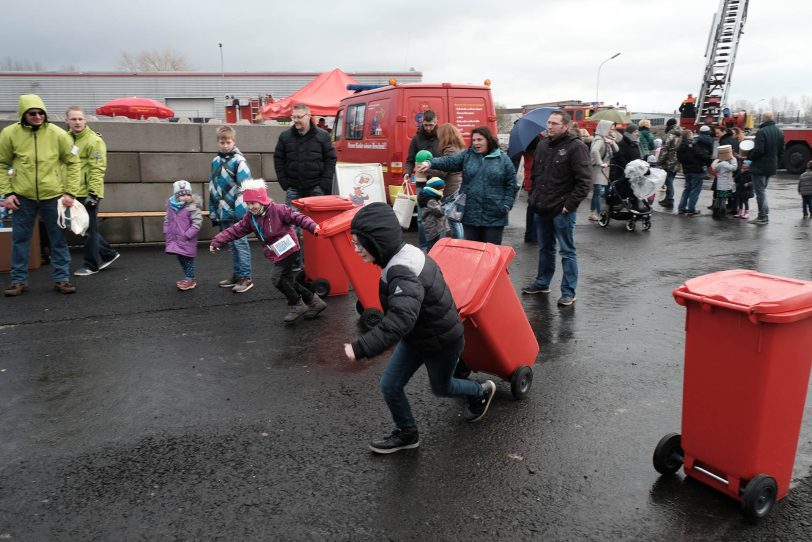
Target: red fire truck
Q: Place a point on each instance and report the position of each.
(798, 148)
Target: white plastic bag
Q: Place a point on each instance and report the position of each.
(74, 218)
(404, 205)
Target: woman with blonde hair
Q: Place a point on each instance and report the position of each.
(450, 142)
(646, 138)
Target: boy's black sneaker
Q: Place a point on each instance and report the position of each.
(400, 439)
(476, 408)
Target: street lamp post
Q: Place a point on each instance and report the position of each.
(223, 74)
(598, 84)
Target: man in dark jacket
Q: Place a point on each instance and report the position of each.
(305, 161)
(694, 159)
(765, 158)
(425, 139)
(561, 178)
(420, 318)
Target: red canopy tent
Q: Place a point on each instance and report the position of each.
(322, 95)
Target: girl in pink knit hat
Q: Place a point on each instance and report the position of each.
(273, 224)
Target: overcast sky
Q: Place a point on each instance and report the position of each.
(532, 51)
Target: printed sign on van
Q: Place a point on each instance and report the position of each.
(362, 183)
(469, 115)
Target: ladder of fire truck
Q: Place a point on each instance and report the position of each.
(720, 55)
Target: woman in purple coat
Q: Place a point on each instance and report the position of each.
(181, 228)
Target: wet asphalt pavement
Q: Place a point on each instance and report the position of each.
(132, 411)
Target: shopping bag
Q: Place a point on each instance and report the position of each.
(405, 202)
(454, 207)
(74, 218)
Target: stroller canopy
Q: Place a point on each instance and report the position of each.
(644, 179)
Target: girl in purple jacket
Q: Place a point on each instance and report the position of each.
(273, 223)
(181, 228)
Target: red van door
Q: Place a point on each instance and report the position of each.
(470, 108)
(417, 102)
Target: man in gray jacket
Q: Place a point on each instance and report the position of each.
(765, 158)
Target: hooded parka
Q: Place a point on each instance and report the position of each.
(418, 307)
(35, 155)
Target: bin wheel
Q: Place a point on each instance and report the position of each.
(630, 225)
(758, 497)
(462, 370)
(320, 287)
(358, 307)
(668, 455)
(521, 381)
(371, 318)
(604, 219)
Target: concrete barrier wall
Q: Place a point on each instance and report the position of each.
(144, 158)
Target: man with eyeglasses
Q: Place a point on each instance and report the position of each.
(561, 180)
(34, 151)
(305, 161)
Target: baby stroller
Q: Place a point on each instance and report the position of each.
(629, 198)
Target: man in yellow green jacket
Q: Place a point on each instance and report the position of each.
(35, 150)
(92, 153)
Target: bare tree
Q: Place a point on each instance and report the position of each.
(167, 60)
(9, 64)
(504, 119)
(742, 105)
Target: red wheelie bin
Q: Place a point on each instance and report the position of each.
(363, 276)
(323, 272)
(498, 337)
(747, 364)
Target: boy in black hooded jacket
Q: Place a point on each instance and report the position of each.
(420, 317)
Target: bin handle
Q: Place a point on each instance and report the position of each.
(680, 296)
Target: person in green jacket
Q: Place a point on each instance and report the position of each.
(92, 153)
(36, 150)
(647, 144)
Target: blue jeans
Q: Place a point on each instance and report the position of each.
(669, 186)
(806, 203)
(440, 367)
(597, 192)
(690, 194)
(22, 224)
(240, 254)
(422, 242)
(531, 225)
(97, 249)
(291, 194)
(560, 230)
(760, 185)
(457, 231)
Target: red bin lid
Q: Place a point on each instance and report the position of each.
(749, 291)
(339, 223)
(323, 203)
(470, 269)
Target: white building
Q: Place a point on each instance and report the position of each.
(188, 94)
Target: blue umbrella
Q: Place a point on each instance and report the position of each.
(527, 128)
